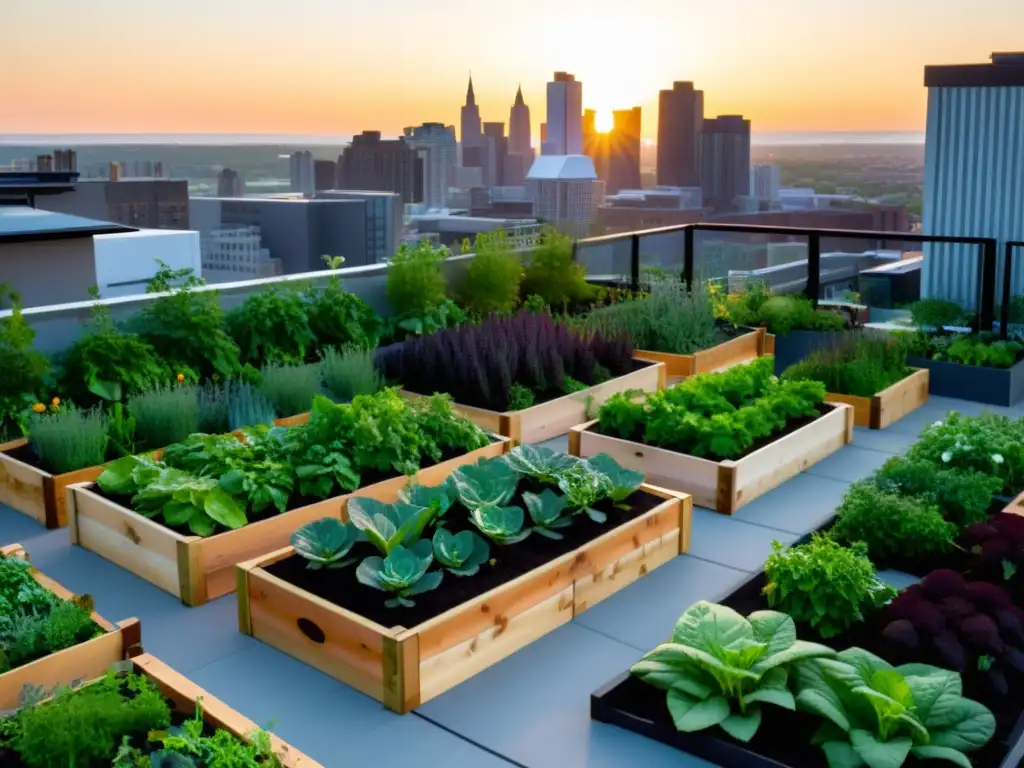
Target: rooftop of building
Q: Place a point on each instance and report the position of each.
(19, 223)
(1005, 69)
(562, 167)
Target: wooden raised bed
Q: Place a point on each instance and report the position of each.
(35, 492)
(79, 662)
(741, 349)
(889, 405)
(724, 486)
(196, 569)
(555, 417)
(405, 667)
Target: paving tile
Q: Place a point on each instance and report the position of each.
(534, 707)
(16, 528)
(937, 408)
(643, 614)
(725, 540)
(799, 505)
(885, 440)
(612, 747)
(560, 443)
(849, 464)
(898, 579)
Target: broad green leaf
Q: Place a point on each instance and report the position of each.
(326, 542)
(773, 690)
(973, 727)
(743, 726)
(178, 513)
(539, 462)
(936, 693)
(545, 508)
(880, 754)
(691, 715)
(799, 650)
(708, 625)
(224, 509)
(932, 752)
(117, 478)
(841, 754)
(387, 525)
(462, 553)
(201, 524)
(816, 696)
(489, 482)
(434, 497)
(502, 525)
(624, 481)
(775, 629)
(428, 582)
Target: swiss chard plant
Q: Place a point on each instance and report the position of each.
(461, 554)
(326, 543)
(878, 715)
(719, 667)
(403, 573)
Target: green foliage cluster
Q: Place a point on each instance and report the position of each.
(291, 388)
(418, 292)
(823, 584)
(69, 439)
(348, 371)
(721, 415)
(272, 326)
(857, 364)
(491, 285)
(164, 415)
(983, 349)
(337, 317)
(552, 274)
(671, 319)
(934, 314)
(34, 622)
(779, 313)
(419, 530)
(25, 370)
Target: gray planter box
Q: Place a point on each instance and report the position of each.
(794, 346)
(992, 386)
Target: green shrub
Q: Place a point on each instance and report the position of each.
(350, 371)
(24, 369)
(493, 276)
(782, 314)
(984, 352)
(291, 388)
(248, 406)
(416, 283)
(891, 525)
(936, 313)
(536, 304)
(671, 319)
(271, 327)
(824, 584)
(337, 317)
(552, 274)
(741, 307)
(69, 439)
(164, 415)
(858, 365)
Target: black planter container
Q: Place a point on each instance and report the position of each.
(794, 346)
(992, 386)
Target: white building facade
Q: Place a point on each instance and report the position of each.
(236, 254)
(765, 182)
(565, 116)
(566, 192)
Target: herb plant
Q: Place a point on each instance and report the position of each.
(291, 388)
(719, 667)
(856, 365)
(349, 371)
(552, 275)
(337, 317)
(823, 584)
(878, 715)
(271, 327)
(492, 279)
(25, 369)
(248, 406)
(962, 495)
(164, 415)
(69, 439)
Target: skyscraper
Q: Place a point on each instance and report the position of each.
(439, 151)
(565, 116)
(382, 165)
(680, 121)
(595, 145)
(725, 161)
(624, 151)
(470, 133)
(230, 184)
(302, 176)
(765, 181)
(519, 127)
(497, 150)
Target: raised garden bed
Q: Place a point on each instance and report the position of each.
(404, 657)
(35, 492)
(199, 569)
(83, 661)
(555, 417)
(727, 485)
(794, 346)
(979, 384)
(740, 349)
(889, 405)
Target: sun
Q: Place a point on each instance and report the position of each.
(603, 121)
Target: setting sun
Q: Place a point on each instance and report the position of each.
(603, 121)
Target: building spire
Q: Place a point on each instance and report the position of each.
(470, 97)
(519, 96)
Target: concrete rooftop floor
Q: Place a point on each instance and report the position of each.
(533, 708)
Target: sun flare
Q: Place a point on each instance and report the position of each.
(603, 121)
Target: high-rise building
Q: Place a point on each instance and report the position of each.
(435, 143)
(680, 121)
(565, 116)
(765, 182)
(566, 192)
(623, 143)
(497, 151)
(382, 165)
(230, 184)
(325, 174)
(595, 145)
(65, 160)
(471, 132)
(302, 177)
(973, 170)
(725, 161)
(519, 127)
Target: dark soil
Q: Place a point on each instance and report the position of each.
(341, 587)
(792, 426)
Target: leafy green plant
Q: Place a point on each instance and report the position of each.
(388, 526)
(487, 483)
(891, 525)
(291, 388)
(536, 304)
(520, 397)
(552, 274)
(443, 429)
(784, 313)
(271, 327)
(988, 353)
(326, 543)
(447, 314)
(349, 371)
(624, 482)
(502, 525)
(584, 486)
(69, 439)
(416, 284)
(462, 553)
(248, 406)
(718, 667)
(402, 573)
(935, 314)
(962, 495)
(25, 369)
(547, 511)
(165, 414)
(120, 431)
(878, 715)
(337, 317)
(190, 746)
(436, 498)
(540, 463)
(857, 365)
(493, 276)
(828, 586)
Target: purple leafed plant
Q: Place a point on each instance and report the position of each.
(477, 364)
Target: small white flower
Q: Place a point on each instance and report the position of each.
(997, 458)
(937, 423)
(947, 457)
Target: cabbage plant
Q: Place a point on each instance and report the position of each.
(403, 573)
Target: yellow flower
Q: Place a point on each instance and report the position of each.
(181, 377)
(39, 408)
(55, 401)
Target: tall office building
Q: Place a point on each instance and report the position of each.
(325, 174)
(65, 160)
(680, 121)
(302, 177)
(765, 182)
(519, 127)
(566, 192)
(438, 149)
(725, 161)
(497, 150)
(471, 132)
(565, 116)
(623, 144)
(381, 165)
(973, 170)
(230, 184)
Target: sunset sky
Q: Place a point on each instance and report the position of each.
(340, 66)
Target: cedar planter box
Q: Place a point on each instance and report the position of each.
(555, 417)
(405, 667)
(724, 486)
(35, 492)
(741, 349)
(889, 405)
(992, 386)
(198, 569)
(792, 347)
(86, 660)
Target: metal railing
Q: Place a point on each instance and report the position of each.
(987, 254)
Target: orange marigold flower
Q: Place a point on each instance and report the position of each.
(181, 377)
(55, 401)
(38, 407)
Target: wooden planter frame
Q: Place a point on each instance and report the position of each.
(84, 661)
(199, 569)
(724, 486)
(35, 492)
(553, 418)
(741, 349)
(890, 405)
(403, 668)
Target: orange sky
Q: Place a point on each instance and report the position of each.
(336, 66)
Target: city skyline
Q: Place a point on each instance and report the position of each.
(794, 65)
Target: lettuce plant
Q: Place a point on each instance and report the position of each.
(877, 715)
(719, 667)
(402, 573)
(387, 526)
(539, 463)
(325, 543)
(547, 510)
(461, 554)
